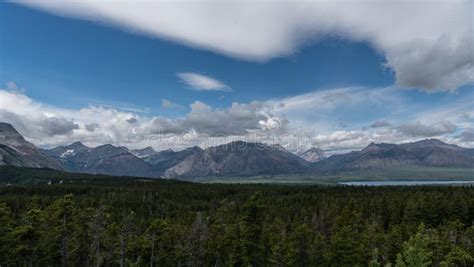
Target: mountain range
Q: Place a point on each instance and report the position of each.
(104, 159)
(429, 152)
(233, 159)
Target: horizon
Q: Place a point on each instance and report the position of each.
(130, 75)
(292, 149)
(282, 133)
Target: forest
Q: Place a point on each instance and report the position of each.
(85, 220)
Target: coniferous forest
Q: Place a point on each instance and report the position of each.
(131, 222)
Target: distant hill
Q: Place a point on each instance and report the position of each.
(16, 151)
(430, 152)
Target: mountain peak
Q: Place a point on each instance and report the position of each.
(109, 147)
(6, 126)
(313, 154)
(8, 131)
(377, 146)
(76, 145)
(147, 150)
(143, 152)
(430, 141)
(371, 147)
(16, 151)
(277, 146)
(193, 148)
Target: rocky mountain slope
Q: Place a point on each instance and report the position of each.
(312, 155)
(166, 159)
(430, 152)
(16, 151)
(239, 159)
(143, 153)
(232, 159)
(105, 159)
(236, 159)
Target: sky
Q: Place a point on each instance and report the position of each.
(334, 75)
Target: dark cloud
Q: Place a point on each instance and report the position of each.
(421, 130)
(132, 120)
(58, 126)
(92, 127)
(39, 126)
(160, 125)
(441, 66)
(236, 120)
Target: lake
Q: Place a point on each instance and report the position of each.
(383, 183)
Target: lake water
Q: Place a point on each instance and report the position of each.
(383, 183)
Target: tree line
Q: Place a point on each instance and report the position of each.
(170, 223)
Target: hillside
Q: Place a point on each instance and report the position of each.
(430, 153)
(16, 151)
(240, 159)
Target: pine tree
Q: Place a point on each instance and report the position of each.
(416, 251)
(156, 232)
(7, 223)
(458, 257)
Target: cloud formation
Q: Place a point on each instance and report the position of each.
(167, 104)
(427, 44)
(200, 82)
(418, 129)
(467, 135)
(297, 122)
(50, 126)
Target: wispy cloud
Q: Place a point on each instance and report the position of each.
(124, 108)
(201, 82)
(167, 104)
(380, 123)
(417, 129)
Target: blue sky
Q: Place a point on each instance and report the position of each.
(67, 62)
(90, 62)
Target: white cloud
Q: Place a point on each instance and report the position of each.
(49, 126)
(200, 82)
(238, 119)
(328, 110)
(297, 122)
(124, 108)
(428, 44)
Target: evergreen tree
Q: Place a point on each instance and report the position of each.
(416, 251)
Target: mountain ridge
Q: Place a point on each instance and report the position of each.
(428, 152)
(234, 159)
(16, 151)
